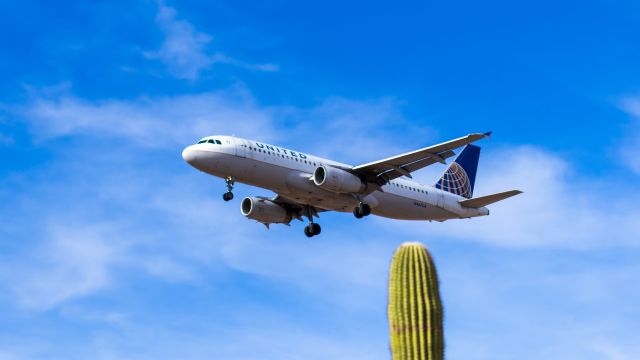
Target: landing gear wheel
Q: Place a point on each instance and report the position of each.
(315, 228)
(308, 231)
(230, 182)
(361, 210)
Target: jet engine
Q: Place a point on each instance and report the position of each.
(264, 211)
(337, 180)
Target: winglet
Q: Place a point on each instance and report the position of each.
(488, 134)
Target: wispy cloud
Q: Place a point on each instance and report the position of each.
(71, 262)
(186, 51)
(150, 122)
(558, 209)
(552, 193)
(345, 272)
(581, 296)
(359, 130)
(166, 121)
(145, 125)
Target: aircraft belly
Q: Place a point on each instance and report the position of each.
(296, 186)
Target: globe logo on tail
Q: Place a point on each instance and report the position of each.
(456, 181)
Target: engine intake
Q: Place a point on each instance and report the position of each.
(264, 211)
(337, 180)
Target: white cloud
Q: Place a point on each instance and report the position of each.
(498, 297)
(345, 269)
(557, 208)
(72, 262)
(359, 131)
(185, 51)
(338, 265)
(74, 258)
(185, 206)
(151, 122)
(184, 48)
(338, 128)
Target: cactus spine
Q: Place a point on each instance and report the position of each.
(415, 308)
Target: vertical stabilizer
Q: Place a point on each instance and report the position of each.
(460, 176)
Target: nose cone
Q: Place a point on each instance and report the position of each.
(190, 155)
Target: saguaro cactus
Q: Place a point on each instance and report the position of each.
(415, 308)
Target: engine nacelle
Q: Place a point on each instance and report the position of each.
(337, 180)
(264, 211)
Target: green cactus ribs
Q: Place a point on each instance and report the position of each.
(415, 309)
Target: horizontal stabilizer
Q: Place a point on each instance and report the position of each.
(479, 202)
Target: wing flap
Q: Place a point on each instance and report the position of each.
(489, 199)
(399, 171)
(394, 166)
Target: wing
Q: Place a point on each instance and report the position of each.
(404, 164)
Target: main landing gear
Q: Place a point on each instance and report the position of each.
(361, 210)
(313, 228)
(229, 194)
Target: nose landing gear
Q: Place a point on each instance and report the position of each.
(229, 194)
(361, 210)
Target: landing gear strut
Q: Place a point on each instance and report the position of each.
(313, 228)
(361, 210)
(229, 194)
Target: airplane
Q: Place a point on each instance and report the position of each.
(306, 185)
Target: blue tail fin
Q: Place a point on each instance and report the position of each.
(460, 176)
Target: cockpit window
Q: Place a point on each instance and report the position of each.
(210, 141)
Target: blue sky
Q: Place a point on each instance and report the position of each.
(113, 248)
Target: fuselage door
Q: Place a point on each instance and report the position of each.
(241, 147)
(440, 199)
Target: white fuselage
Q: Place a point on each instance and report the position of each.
(288, 174)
